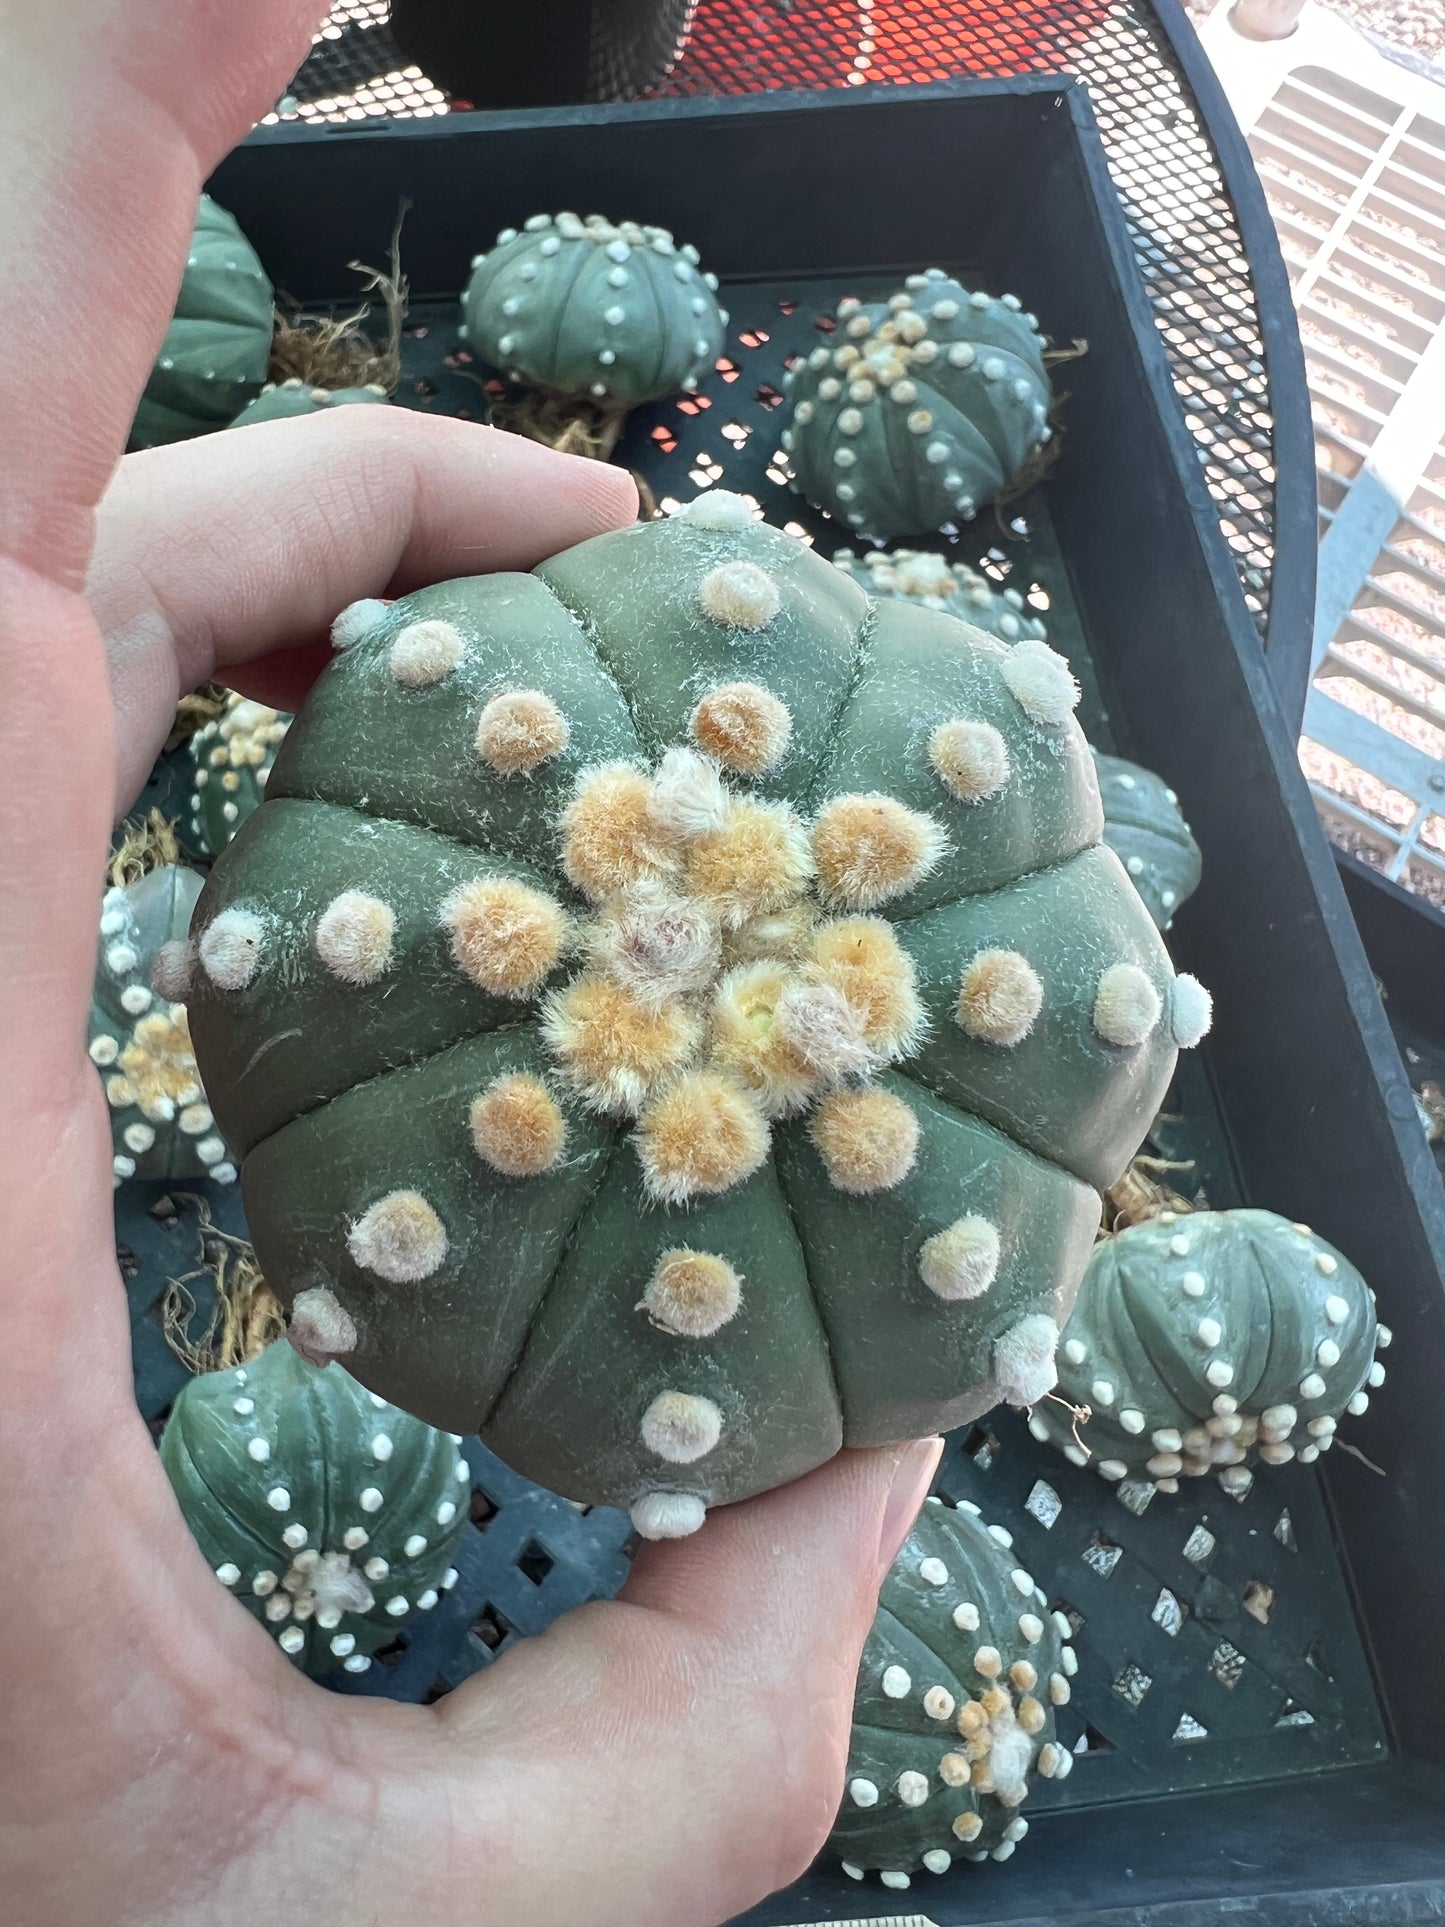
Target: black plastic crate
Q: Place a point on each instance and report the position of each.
(1297, 1103)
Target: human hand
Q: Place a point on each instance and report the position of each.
(668, 1757)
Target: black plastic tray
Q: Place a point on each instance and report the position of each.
(1301, 1104)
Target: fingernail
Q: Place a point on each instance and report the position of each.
(912, 1477)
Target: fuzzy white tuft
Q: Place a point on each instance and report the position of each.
(320, 1328)
(820, 1024)
(961, 1261)
(1127, 1006)
(519, 730)
(356, 620)
(400, 1238)
(1009, 1760)
(680, 1427)
(657, 945)
(231, 947)
(668, 1515)
(1191, 1012)
(1023, 1360)
(739, 595)
(424, 653)
(718, 509)
(688, 797)
(354, 937)
(1001, 998)
(970, 758)
(172, 969)
(1040, 682)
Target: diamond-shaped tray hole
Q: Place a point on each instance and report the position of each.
(705, 470)
(492, 1626)
(1039, 598)
(664, 438)
(494, 390)
(1200, 1548)
(1135, 1495)
(438, 1690)
(1227, 1664)
(1189, 1730)
(787, 306)
(534, 1562)
(826, 324)
(736, 432)
(693, 404)
(1316, 1661)
(1284, 1531)
(482, 1510)
(1169, 1612)
(1074, 1617)
(1044, 1503)
(1259, 1597)
(1131, 1683)
(390, 1653)
(1293, 1714)
(754, 338)
(777, 471)
(768, 395)
(729, 370)
(1091, 1740)
(1101, 1555)
(797, 529)
(981, 1446)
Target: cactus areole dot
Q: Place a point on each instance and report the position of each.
(626, 1079)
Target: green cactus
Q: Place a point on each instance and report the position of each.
(1206, 1340)
(281, 401)
(232, 758)
(161, 1125)
(217, 347)
(953, 1720)
(575, 894)
(331, 1516)
(1144, 827)
(930, 405)
(615, 312)
(917, 576)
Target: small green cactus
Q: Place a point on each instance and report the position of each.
(161, 1125)
(681, 1012)
(231, 756)
(218, 345)
(930, 405)
(953, 1721)
(331, 1516)
(281, 401)
(1206, 1340)
(1144, 827)
(917, 576)
(618, 313)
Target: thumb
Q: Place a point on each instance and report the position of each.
(692, 1735)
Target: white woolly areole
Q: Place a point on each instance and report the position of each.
(961, 1261)
(825, 1030)
(681, 1427)
(657, 945)
(1001, 997)
(1009, 1760)
(745, 726)
(1127, 1006)
(1191, 1012)
(230, 948)
(970, 759)
(400, 1238)
(739, 595)
(1040, 682)
(718, 509)
(668, 1515)
(519, 730)
(320, 1328)
(424, 653)
(356, 620)
(687, 796)
(354, 937)
(1023, 1360)
(172, 969)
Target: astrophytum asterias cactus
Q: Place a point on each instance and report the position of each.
(217, 347)
(1145, 828)
(614, 311)
(920, 409)
(953, 1720)
(331, 1516)
(161, 1125)
(1207, 1340)
(231, 756)
(282, 401)
(936, 583)
(677, 1013)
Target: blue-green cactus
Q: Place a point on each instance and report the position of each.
(618, 313)
(920, 410)
(231, 756)
(284, 400)
(1146, 830)
(218, 345)
(935, 583)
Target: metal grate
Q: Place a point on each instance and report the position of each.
(1185, 236)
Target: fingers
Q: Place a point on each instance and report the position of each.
(693, 1735)
(211, 554)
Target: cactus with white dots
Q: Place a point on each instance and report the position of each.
(953, 1719)
(281, 401)
(1211, 1341)
(936, 583)
(919, 410)
(678, 1015)
(331, 1516)
(218, 345)
(161, 1125)
(616, 312)
(231, 759)
(1145, 828)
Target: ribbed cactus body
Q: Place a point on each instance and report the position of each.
(659, 1003)
(936, 583)
(285, 400)
(330, 1515)
(1146, 830)
(919, 410)
(217, 347)
(232, 757)
(953, 1722)
(614, 311)
(1205, 1342)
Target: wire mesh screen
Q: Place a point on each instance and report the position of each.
(1185, 236)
